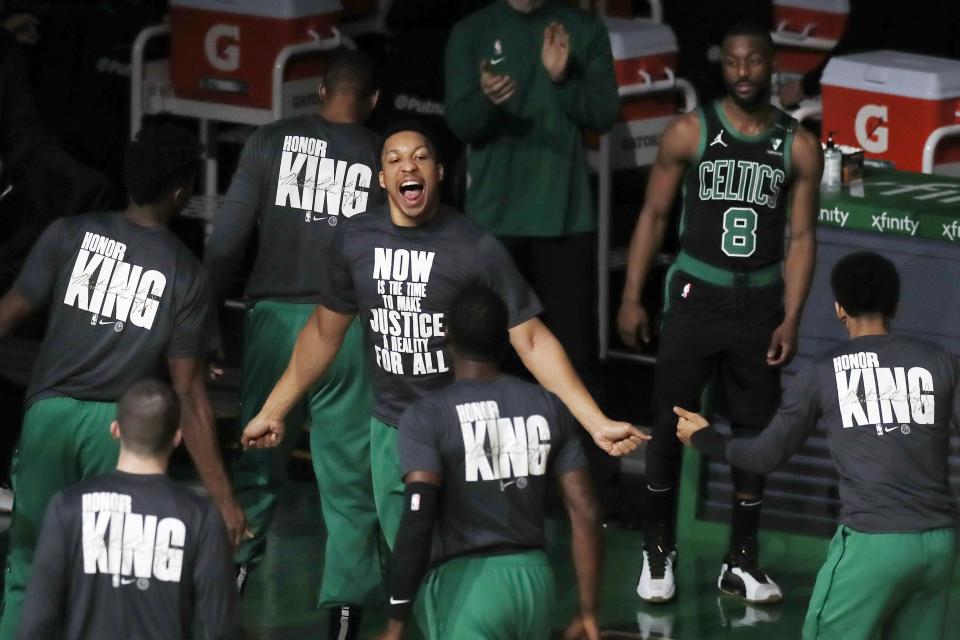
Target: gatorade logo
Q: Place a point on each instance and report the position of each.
(222, 47)
(871, 128)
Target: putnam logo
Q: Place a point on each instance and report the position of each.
(113, 290)
(310, 181)
(131, 547)
(502, 448)
(871, 395)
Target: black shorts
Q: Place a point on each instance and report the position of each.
(720, 334)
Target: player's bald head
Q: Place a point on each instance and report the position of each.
(477, 323)
(148, 415)
(351, 72)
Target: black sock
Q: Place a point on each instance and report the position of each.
(745, 523)
(661, 516)
(345, 622)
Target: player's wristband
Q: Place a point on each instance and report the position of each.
(411, 552)
(710, 442)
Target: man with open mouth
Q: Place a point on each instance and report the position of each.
(398, 267)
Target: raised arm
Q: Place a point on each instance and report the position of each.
(472, 90)
(199, 435)
(316, 347)
(587, 88)
(807, 162)
(545, 358)
(576, 488)
(678, 145)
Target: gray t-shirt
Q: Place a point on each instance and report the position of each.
(401, 281)
(887, 403)
(122, 297)
(131, 556)
(494, 443)
(298, 177)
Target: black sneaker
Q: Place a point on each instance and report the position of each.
(741, 575)
(345, 622)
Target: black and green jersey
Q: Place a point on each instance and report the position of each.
(735, 194)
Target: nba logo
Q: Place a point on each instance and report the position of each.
(497, 48)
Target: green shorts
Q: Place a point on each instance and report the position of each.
(894, 583)
(503, 597)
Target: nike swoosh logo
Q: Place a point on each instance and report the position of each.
(315, 218)
(126, 581)
(106, 322)
(889, 429)
(498, 60)
(504, 485)
(395, 601)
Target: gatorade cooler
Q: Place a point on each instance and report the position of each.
(644, 52)
(888, 103)
(799, 21)
(224, 50)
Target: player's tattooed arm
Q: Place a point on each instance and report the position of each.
(316, 347)
(678, 145)
(544, 357)
(199, 434)
(576, 488)
(14, 307)
(802, 247)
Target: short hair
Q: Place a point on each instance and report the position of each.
(866, 283)
(160, 158)
(410, 124)
(477, 323)
(752, 30)
(149, 414)
(351, 72)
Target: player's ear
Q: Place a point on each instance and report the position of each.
(115, 430)
(383, 185)
(841, 314)
(441, 172)
(177, 438)
(322, 91)
(374, 99)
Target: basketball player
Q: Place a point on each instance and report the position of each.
(887, 403)
(398, 268)
(126, 296)
(728, 309)
(475, 458)
(130, 554)
(298, 178)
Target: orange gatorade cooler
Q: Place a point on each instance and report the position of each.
(224, 50)
(805, 30)
(889, 103)
(644, 53)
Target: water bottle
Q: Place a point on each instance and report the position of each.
(832, 165)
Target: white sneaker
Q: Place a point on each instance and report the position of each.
(656, 578)
(741, 575)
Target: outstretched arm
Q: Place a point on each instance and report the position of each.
(545, 358)
(678, 144)
(316, 347)
(795, 420)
